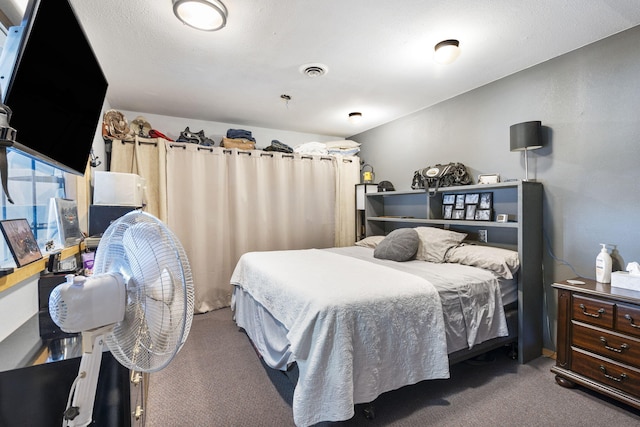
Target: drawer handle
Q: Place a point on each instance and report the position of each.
(597, 315)
(630, 319)
(617, 350)
(611, 377)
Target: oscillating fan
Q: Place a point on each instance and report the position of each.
(139, 302)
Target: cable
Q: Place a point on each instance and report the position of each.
(561, 261)
(74, 385)
(544, 289)
(546, 309)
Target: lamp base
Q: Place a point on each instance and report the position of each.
(526, 166)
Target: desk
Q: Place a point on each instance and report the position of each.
(35, 268)
(37, 395)
(35, 389)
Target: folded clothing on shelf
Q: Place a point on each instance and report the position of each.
(239, 143)
(240, 134)
(279, 146)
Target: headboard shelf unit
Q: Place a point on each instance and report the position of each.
(520, 200)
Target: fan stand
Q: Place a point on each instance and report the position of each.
(83, 390)
(141, 270)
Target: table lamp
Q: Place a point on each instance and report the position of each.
(524, 137)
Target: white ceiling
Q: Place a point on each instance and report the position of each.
(379, 55)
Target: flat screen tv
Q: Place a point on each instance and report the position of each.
(53, 84)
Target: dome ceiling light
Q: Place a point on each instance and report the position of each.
(446, 51)
(205, 15)
(355, 117)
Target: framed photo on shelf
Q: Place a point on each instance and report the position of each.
(460, 201)
(483, 214)
(21, 242)
(486, 201)
(448, 199)
(458, 214)
(447, 211)
(471, 198)
(470, 212)
(63, 222)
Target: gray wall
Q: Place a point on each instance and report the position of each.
(589, 105)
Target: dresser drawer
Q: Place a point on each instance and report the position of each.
(607, 372)
(612, 345)
(628, 319)
(594, 311)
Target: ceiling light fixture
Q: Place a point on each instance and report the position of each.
(355, 117)
(206, 15)
(446, 51)
(286, 98)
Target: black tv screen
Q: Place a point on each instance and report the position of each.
(52, 81)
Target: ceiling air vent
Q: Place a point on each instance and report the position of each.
(314, 70)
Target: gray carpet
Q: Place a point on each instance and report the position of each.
(218, 380)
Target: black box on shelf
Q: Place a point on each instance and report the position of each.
(101, 216)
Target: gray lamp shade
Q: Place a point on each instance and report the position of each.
(526, 136)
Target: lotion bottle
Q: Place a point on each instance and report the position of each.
(603, 265)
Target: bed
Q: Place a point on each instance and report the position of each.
(358, 321)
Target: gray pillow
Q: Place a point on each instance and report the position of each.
(399, 245)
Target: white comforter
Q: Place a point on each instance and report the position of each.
(356, 329)
(470, 296)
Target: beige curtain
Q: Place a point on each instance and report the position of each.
(78, 188)
(198, 213)
(144, 157)
(223, 203)
(348, 175)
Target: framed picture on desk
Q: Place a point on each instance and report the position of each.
(21, 241)
(63, 227)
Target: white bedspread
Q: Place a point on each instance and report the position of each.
(470, 296)
(356, 329)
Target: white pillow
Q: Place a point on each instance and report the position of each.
(343, 143)
(503, 262)
(370, 242)
(436, 242)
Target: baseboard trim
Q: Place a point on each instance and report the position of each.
(549, 353)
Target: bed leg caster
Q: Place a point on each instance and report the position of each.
(513, 351)
(368, 411)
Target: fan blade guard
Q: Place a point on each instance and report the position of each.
(159, 290)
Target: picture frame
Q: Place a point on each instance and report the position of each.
(63, 224)
(458, 214)
(21, 241)
(471, 198)
(460, 201)
(448, 199)
(489, 178)
(486, 201)
(470, 212)
(483, 214)
(447, 211)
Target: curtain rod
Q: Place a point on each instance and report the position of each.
(250, 152)
(154, 143)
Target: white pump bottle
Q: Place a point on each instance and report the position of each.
(603, 265)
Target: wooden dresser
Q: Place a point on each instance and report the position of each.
(599, 339)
